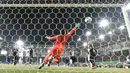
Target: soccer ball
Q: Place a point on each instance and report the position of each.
(88, 20)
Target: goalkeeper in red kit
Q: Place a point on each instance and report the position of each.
(58, 47)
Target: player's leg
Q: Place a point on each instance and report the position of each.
(58, 63)
(30, 60)
(50, 60)
(26, 60)
(15, 60)
(55, 58)
(49, 57)
(92, 62)
(53, 53)
(44, 61)
(93, 58)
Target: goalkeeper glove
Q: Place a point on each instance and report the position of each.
(46, 37)
(77, 25)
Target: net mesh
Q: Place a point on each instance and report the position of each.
(62, 1)
(32, 20)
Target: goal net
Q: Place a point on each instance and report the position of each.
(24, 25)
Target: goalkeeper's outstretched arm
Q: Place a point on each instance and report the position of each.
(52, 38)
(72, 30)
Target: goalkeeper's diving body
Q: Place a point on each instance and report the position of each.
(58, 47)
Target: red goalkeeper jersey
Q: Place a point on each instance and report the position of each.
(61, 39)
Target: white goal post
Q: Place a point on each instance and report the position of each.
(125, 11)
(61, 5)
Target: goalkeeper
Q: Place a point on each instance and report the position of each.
(58, 47)
(91, 55)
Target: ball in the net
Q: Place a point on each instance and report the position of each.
(88, 20)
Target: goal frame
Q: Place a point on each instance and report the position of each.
(61, 5)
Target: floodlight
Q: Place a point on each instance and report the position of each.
(79, 39)
(3, 52)
(19, 43)
(103, 23)
(127, 7)
(1, 38)
(101, 36)
(48, 50)
(85, 44)
(122, 27)
(88, 33)
(110, 32)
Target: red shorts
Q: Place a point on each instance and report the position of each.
(56, 51)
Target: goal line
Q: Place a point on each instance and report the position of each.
(61, 5)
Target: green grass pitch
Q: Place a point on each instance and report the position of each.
(4, 68)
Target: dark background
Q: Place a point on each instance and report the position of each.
(31, 24)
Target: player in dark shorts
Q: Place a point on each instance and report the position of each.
(91, 55)
(30, 56)
(15, 56)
